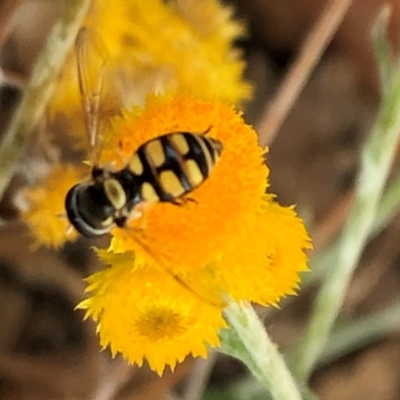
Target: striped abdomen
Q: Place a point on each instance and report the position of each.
(172, 165)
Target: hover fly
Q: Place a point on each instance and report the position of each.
(164, 169)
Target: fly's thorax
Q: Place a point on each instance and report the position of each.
(115, 193)
(126, 186)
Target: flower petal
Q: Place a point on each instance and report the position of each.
(45, 213)
(146, 314)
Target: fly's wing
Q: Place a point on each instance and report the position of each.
(101, 100)
(204, 286)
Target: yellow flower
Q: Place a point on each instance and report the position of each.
(65, 107)
(280, 237)
(146, 314)
(45, 214)
(174, 267)
(170, 271)
(228, 222)
(156, 47)
(226, 204)
(185, 46)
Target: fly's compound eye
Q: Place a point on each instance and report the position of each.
(88, 210)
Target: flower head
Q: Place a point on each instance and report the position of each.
(146, 314)
(193, 53)
(174, 266)
(170, 271)
(225, 205)
(45, 212)
(196, 40)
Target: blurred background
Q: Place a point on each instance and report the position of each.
(47, 352)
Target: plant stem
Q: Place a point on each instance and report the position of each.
(383, 51)
(248, 341)
(310, 53)
(40, 86)
(376, 160)
(323, 261)
(359, 333)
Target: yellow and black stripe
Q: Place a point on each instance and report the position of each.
(172, 165)
(162, 170)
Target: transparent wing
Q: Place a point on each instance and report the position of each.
(101, 99)
(203, 286)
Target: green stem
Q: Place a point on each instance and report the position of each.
(357, 334)
(248, 341)
(389, 206)
(376, 159)
(40, 87)
(325, 260)
(382, 49)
